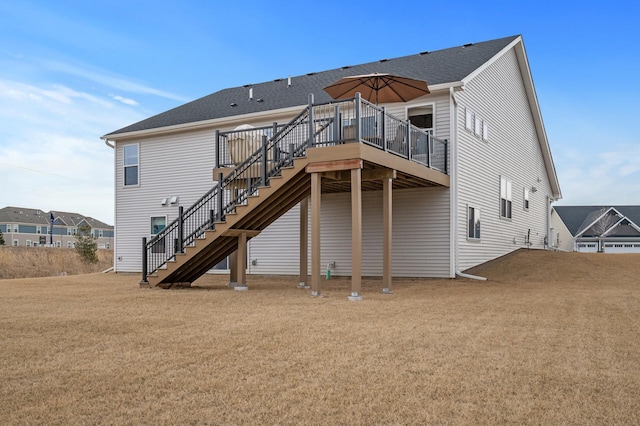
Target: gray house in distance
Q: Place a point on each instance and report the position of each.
(273, 175)
(23, 227)
(604, 229)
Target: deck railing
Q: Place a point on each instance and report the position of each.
(258, 153)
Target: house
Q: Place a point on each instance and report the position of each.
(23, 227)
(608, 229)
(424, 188)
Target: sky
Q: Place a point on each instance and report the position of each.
(73, 71)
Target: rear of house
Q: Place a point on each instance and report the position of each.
(482, 108)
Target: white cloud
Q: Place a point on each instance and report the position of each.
(51, 156)
(124, 100)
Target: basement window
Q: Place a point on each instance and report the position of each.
(473, 223)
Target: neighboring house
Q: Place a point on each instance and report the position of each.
(449, 180)
(608, 229)
(24, 227)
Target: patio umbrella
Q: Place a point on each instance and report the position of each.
(378, 87)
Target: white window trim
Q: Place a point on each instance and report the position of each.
(485, 131)
(124, 166)
(28, 243)
(166, 222)
(508, 197)
(16, 243)
(477, 217)
(422, 105)
(477, 126)
(468, 119)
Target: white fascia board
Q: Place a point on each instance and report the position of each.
(518, 45)
(213, 123)
(596, 220)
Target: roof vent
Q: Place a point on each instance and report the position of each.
(233, 104)
(260, 100)
(346, 67)
(289, 81)
(310, 73)
(277, 80)
(426, 52)
(383, 60)
(247, 85)
(467, 45)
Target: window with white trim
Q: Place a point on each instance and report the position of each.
(16, 243)
(485, 131)
(68, 244)
(58, 244)
(505, 197)
(478, 126)
(158, 223)
(130, 164)
(473, 223)
(28, 243)
(525, 201)
(468, 122)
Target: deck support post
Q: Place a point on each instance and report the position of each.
(241, 268)
(233, 269)
(387, 224)
(316, 189)
(356, 234)
(304, 244)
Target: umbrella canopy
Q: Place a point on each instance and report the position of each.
(378, 87)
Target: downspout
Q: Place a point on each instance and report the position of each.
(473, 277)
(115, 252)
(453, 189)
(453, 205)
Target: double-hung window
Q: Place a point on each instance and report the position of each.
(158, 223)
(131, 156)
(473, 223)
(505, 197)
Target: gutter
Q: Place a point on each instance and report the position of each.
(106, 142)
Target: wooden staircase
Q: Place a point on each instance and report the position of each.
(272, 201)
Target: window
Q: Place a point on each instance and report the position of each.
(473, 223)
(157, 224)
(478, 126)
(70, 231)
(130, 165)
(15, 227)
(16, 243)
(468, 123)
(526, 199)
(485, 131)
(28, 243)
(505, 198)
(100, 233)
(421, 117)
(68, 244)
(38, 230)
(58, 244)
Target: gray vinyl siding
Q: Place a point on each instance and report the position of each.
(420, 236)
(498, 96)
(171, 165)
(560, 232)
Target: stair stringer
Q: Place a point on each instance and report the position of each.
(283, 192)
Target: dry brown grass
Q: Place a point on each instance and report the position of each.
(31, 262)
(551, 338)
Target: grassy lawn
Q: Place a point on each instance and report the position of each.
(550, 338)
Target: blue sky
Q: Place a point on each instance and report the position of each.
(72, 71)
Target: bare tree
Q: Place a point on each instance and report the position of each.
(602, 225)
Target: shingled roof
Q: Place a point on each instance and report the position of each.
(12, 214)
(438, 67)
(574, 217)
